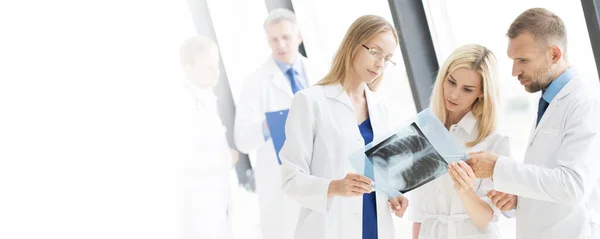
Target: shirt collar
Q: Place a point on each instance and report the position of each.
(558, 84)
(468, 122)
(297, 65)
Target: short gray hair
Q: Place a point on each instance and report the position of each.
(280, 14)
(194, 47)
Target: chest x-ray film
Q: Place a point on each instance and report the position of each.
(410, 156)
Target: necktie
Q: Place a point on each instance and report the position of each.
(291, 75)
(542, 106)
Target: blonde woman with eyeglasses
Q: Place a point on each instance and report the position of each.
(327, 123)
(465, 99)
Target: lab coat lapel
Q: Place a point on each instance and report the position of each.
(375, 114)
(547, 118)
(336, 92)
(278, 80)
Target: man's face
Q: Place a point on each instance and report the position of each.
(284, 39)
(532, 62)
(205, 70)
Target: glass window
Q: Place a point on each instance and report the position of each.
(238, 26)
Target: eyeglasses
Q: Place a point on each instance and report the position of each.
(378, 56)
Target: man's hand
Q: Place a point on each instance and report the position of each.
(503, 201)
(482, 163)
(398, 205)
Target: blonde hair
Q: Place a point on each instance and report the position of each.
(481, 60)
(362, 30)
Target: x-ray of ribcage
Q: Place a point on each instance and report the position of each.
(407, 159)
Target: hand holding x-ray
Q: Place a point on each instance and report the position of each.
(410, 156)
(462, 176)
(398, 204)
(351, 185)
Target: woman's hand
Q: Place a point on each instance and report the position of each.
(398, 205)
(463, 176)
(351, 185)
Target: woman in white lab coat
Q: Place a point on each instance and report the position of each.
(329, 121)
(465, 98)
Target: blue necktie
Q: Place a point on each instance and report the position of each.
(542, 106)
(291, 75)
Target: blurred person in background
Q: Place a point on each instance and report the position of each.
(204, 157)
(271, 88)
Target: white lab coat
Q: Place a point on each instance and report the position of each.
(437, 206)
(322, 132)
(264, 91)
(204, 161)
(558, 185)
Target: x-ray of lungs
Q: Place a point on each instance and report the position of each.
(410, 156)
(408, 159)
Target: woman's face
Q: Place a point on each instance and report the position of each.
(204, 73)
(461, 88)
(371, 59)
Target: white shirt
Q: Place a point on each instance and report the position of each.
(437, 206)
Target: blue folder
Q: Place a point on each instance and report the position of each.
(276, 124)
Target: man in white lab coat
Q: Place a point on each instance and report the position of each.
(557, 186)
(271, 88)
(204, 157)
